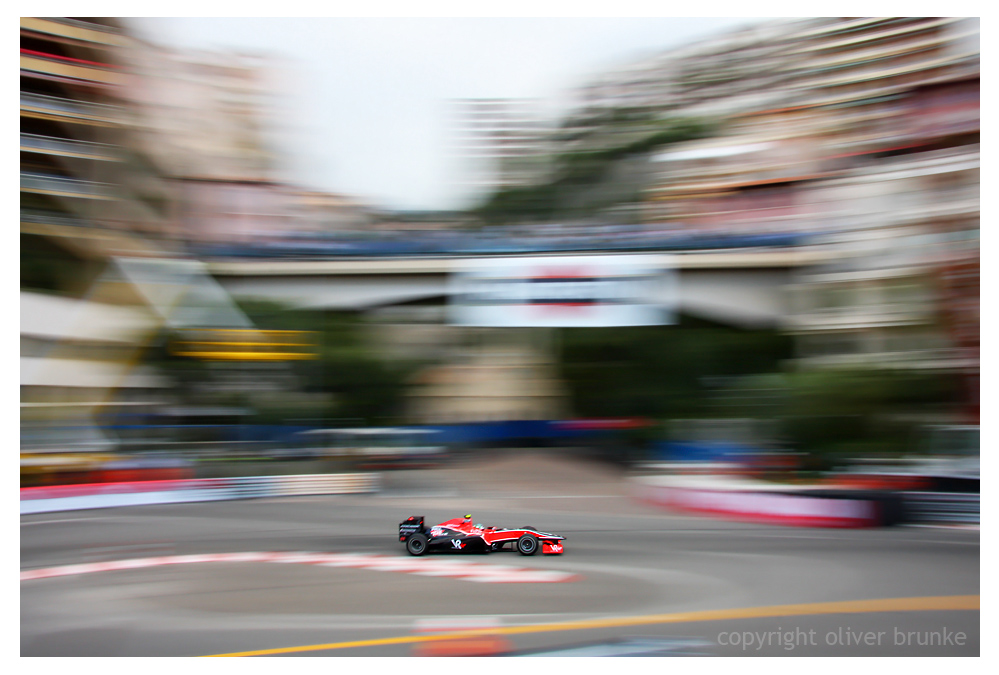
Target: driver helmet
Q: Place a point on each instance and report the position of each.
(468, 518)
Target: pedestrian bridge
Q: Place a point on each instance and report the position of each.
(745, 288)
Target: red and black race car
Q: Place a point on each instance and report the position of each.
(461, 535)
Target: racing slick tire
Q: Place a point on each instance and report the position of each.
(417, 544)
(527, 544)
(528, 527)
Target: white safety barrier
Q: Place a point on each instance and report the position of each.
(795, 509)
(324, 484)
(108, 495)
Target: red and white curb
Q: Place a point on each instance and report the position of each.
(464, 570)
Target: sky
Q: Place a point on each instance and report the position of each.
(363, 102)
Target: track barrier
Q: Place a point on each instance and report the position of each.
(136, 493)
(812, 507)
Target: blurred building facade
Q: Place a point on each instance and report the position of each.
(327, 213)
(716, 75)
(88, 194)
(863, 133)
(501, 142)
(860, 132)
(494, 378)
(206, 116)
(102, 229)
(901, 176)
(206, 110)
(80, 166)
(202, 114)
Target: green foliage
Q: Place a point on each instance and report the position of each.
(834, 413)
(348, 381)
(661, 372)
(615, 137)
(699, 370)
(361, 385)
(48, 267)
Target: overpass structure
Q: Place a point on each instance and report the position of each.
(745, 288)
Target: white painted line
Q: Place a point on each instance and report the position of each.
(57, 520)
(186, 559)
(134, 563)
(968, 527)
(293, 558)
(455, 569)
(523, 577)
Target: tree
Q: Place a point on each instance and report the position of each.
(661, 372)
(348, 379)
(835, 414)
(610, 140)
(359, 384)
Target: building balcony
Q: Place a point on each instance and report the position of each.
(880, 72)
(831, 29)
(743, 179)
(876, 34)
(80, 149)
(924, 164)
(75, 30)
(873, 91)
(881, 52)
(862, 318)
(30, 217)
(962, 207)
(73, 69)
(62, 109)
(61, 186)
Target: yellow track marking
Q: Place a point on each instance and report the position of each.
(947, 602)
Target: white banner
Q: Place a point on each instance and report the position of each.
(564, 291)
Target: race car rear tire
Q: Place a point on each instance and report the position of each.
(417, 544)
(527, 544)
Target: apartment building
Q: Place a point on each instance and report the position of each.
(862, 132)
(207, 111)
(87, 195)
(901, 97)
(80, 171)
(99, 243)
(876, 153)
(501, 143)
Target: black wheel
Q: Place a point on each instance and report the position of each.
(528, 527)
(527, 545)
(417, 544)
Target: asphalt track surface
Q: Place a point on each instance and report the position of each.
(684, 585)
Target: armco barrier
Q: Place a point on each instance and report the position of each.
(795, 509)
(107, 495)
(320, 484)
(91, 489)
(944, 507)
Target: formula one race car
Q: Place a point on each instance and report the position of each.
(460, 535)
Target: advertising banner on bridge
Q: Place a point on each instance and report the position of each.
(563, 291)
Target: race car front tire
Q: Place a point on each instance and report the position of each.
(417, 544)
(527, 544)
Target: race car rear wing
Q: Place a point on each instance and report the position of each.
(410, 526)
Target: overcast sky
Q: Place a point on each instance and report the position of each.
(364, 101)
